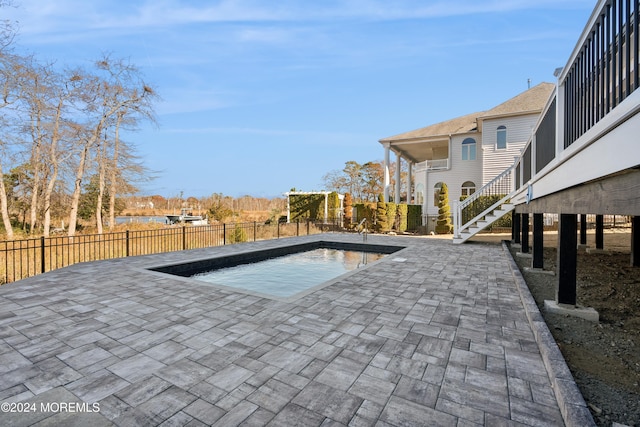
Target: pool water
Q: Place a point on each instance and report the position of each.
(288, 275)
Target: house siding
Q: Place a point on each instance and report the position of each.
(460, 172)
(519, 130)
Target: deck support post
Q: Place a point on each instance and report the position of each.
(525, 233)
(538, 241)
(635, 241)
(516, 222)
(567, 259)
(600, 232)
(583, 230)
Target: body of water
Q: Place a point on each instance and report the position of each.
(141, 219)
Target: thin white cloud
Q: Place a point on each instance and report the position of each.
(136, 16)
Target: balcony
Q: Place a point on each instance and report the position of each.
(437, 164)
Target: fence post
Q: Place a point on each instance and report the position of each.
(224, 234)
(298, 227)
(278, 227)
(42, 255)
(308, 226)
(456, 218)
(126, 242)
(255, 230)
(184, 237)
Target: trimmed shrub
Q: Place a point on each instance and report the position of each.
(366, 210)
(382, 222)
(402, 217)
(443, 225)
(348, 210)
(414, 217)
(306, 206)
(392, 208)
(333, 206)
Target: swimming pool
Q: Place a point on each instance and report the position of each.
(282, 272)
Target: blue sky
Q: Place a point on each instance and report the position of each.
(259, 96)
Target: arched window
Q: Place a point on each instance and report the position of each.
(419, 194)
(468, 188)
(436, 193)
(469, 149)
(501, 135)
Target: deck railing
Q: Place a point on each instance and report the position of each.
(604, 70)
(20, 259)
(482, 200)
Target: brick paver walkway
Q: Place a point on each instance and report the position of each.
(434, 335)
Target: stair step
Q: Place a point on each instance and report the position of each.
(473, 229)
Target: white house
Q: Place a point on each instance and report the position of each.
(465, 152)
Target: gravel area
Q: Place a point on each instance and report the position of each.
(604, 357)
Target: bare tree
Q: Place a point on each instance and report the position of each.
(7, 29)
(122, 90)
(7, 92)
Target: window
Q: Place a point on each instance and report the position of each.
(469, 149)
(501, 135)
(468, 188)
(419, 194)
(436, 193)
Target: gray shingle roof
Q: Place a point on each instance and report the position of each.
(531, 101)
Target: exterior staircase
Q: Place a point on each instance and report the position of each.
(484, 207)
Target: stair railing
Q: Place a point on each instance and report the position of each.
(475, 206)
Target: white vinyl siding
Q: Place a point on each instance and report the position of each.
(495, 160)
(460, 172)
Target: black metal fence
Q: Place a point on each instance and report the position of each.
(20, 259)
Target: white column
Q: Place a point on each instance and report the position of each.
(387, 148)
(396, 198)
(425, 205)
(288, 209)
(409, 178)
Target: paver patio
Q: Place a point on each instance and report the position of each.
(436, 335)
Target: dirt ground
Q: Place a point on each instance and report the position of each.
(604, 357)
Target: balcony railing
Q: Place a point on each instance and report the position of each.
(437, 164)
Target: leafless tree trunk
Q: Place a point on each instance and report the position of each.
(4, 206)
(113, 181)
(7, 86)
(102, 171)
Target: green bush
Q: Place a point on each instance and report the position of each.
(402, 217)
(414, 217)
(443, 225)
(333, 208)
(481, 204)
(306, 206)
(382, 221)
(366, 210)
(238, 235)
(392, 208)
(348, 210)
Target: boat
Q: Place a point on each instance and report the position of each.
(187, 216)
